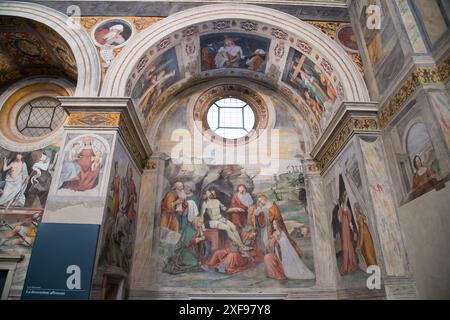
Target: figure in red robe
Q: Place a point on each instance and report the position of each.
(89, 169)
(240, 203)
(229, 260)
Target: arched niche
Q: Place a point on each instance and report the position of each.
(83, 50)
(182, 34)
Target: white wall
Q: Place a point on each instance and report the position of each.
(425, 222)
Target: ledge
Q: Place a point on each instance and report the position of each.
(350, 118)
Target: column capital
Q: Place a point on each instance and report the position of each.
(99, 113)
(351, 118)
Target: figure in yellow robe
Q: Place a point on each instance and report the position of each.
(171, 205)
(365, 241)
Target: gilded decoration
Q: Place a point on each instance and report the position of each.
(345, 132)
(94, 119)
(331, 29)
(419, 77)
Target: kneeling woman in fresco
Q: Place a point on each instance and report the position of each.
(283, 260)
(191, 251)
(228, 260)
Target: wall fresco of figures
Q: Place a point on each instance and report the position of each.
(419, 147)
(422, 160)
(25, 177)
(83, 165)
(352, 231)
(234, 50)
(383, 45)
(311, 82)
(119, 224)
(160, 74)
(223, 226)
(17, 237)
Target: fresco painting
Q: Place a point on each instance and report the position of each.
(83, 165)
(121, 214)
(311, 83)
(112, 33)
(433, 20)
(394, 255)
(354, 244)
(160, 74)
(234, 50)
(411, 26)
(17, 237)
(423, 161)
(442, 110)
(25, 177)
(223, 227)
(383, 45)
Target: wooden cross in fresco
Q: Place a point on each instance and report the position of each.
(298, 68)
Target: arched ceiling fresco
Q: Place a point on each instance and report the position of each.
(241, 48)
(29, 48)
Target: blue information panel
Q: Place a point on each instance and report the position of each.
(62, 262)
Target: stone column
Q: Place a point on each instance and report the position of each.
(142, 275)
(323, 247)
(102, 140)
(379, 188)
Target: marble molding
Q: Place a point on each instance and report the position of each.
(351, 118)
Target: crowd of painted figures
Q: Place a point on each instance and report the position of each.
(255, 233)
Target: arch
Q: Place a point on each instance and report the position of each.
(88, 65)
(353, 85)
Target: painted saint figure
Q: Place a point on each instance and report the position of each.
(26, 232)
(212, 207)
(285, 261)
(132, 196)
(90, 165)
(256, 60)
(111, 36)
(424, 179)
(115, 191)
(229, 55)
(240, 203)
(71, 168)
(15, 182)
(263, 217)
(38, 167)
(365, 242)
(349, 261)
(228, 260)
(173, 206)
(191, 250)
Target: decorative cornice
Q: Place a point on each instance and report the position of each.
(351, 118)
(113, 114)
(419, 77)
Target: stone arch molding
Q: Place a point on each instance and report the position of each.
(158, 37)
(88, 65)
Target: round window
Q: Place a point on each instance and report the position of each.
(40, 116)
(230, 118)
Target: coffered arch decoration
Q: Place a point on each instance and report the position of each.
(281, 51)
(67, 46)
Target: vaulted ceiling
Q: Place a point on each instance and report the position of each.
(29, 48)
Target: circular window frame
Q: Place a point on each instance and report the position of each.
(16, 98)
(247, 95)
(18, 109)
(20, 105)
(207, 125)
